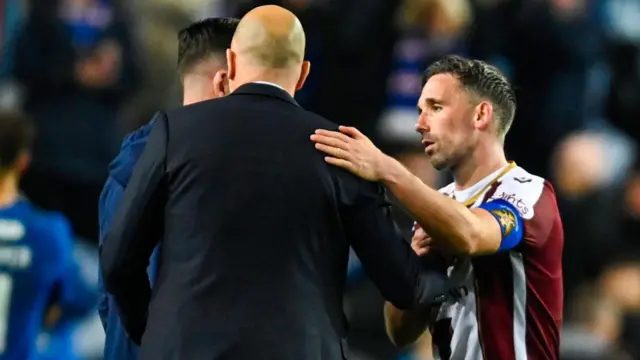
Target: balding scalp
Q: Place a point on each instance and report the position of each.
(270, 36)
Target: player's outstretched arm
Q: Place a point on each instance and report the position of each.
(463, 230)
(490, 228)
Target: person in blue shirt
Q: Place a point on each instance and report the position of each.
(202, 68)
(36, 266)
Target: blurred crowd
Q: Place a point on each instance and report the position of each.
(88, 71)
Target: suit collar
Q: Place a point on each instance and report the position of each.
(265, 89)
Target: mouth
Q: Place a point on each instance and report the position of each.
(427, 143)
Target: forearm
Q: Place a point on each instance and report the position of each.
(404, 327)
(447, 222)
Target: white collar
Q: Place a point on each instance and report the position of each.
(270, 83)
(463, 195)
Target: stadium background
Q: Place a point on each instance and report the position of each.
(574, 63)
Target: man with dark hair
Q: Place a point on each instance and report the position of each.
(202, 68)
(201, 58)
(497, 224)
(482, 81)
(36, 264)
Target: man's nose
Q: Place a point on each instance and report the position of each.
(421, 125)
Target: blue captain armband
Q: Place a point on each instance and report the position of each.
(510, 221)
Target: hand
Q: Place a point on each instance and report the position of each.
(92, 74)
(421, 242)
(352, 151)
(109, 54)
(52, 316)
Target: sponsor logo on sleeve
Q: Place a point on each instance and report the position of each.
(515, 200)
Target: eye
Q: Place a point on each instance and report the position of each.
(436, 107)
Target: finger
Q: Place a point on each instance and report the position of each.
(420, 235)
(330, 141)
(333, 134)
(419, 240)
(333, 151)
(340, 163)
(351, 131)
(422, 251)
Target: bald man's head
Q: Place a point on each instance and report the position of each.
(270, 36)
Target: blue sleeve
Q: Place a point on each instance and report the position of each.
(78, 298)
(72, 295)
(109, 199)
(510, 221)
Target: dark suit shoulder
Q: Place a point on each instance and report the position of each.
(193, 108)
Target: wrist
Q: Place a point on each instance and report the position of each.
(390, 170)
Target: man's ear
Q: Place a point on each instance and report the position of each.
(304, 72)
(220, 84)
(483, 115)
(231, 64)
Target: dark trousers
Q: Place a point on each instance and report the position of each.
(78, 201)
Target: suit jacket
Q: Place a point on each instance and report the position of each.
(255, 231)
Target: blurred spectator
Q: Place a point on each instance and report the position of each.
(621, 282)
(157, 23)
(549, 47)
(590, 171)
(622, 20)
(76, 63)
(593, 329)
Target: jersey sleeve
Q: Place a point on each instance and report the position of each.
(534, 201)
(70, 293)
(61, 241)
(545, 213)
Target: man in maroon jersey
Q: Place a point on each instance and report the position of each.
(497, 223)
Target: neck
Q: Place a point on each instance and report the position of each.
(9, 192)
(481, 164)
(190, 97)
(281, 78)
(194, 90)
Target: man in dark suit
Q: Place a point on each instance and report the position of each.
(202, 68)
(255, 226)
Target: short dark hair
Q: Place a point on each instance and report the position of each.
(482, 80)
(202, 39)
(16, 136)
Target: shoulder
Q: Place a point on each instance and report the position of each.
(141, 133)
(51, 229)
(202, 107)
(53, 223)
(525, 191)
